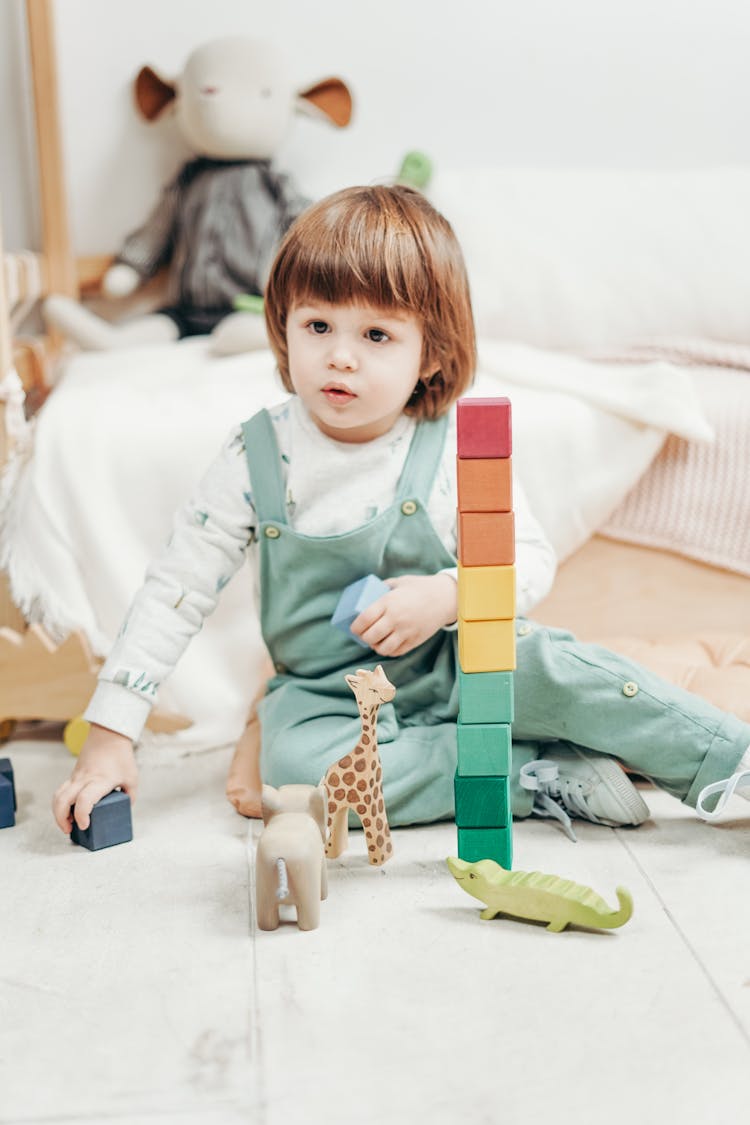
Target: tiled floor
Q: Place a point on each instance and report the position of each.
(135, 988)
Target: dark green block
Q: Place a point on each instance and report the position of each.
(486, 843)
(485, 697)
(484, 749)
(482, 802)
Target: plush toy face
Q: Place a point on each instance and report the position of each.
(235, 100)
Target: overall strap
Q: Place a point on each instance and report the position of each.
(264, 466)
(423, 459)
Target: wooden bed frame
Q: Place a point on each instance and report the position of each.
(38, 678)
(606, 589)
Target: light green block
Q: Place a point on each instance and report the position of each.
(484, 749)
(486, 843)
(482, 802)
(485, 697)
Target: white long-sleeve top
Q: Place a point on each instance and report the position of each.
(331, 488)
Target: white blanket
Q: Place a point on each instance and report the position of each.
(126, 435)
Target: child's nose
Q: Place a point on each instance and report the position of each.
(342, 358)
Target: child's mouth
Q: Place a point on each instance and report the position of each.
(338, 394)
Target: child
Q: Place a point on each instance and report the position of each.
(369, 318)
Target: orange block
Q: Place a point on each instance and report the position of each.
(486, 538)
(484, 484)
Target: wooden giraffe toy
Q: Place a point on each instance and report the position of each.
(355, 781)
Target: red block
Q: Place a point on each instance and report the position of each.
(484, 427)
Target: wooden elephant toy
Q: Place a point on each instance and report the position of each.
(290, 864)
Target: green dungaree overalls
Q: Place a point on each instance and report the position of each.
(565, 690)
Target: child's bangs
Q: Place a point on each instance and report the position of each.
(367, 260)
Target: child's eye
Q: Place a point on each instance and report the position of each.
(377, 335)
(319, 327)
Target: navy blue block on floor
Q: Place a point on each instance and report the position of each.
(6, 771)
(110, 823)
(7, 804)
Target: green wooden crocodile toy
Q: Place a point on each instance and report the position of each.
(537, 897)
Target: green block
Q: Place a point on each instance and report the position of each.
(482, 802)
(485, 697)
(484, 749)
(486, 843)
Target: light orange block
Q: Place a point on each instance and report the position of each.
(486, 646)
(486, 538)
(484, 484)
(486, 593)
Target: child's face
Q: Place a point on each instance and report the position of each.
(354, 366)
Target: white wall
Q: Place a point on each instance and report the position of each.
(645, 83)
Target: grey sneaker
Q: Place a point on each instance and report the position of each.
(568, 782)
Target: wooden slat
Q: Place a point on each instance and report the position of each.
(55, 228)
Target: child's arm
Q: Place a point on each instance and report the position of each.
(182, 586)
(417, 606)
(106, 762)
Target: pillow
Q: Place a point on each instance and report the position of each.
(695, 498)
(582, 259)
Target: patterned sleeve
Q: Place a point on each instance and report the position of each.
(150, 246)
(212, 533)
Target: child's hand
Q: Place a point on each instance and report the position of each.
(416, 607)
(105, 762)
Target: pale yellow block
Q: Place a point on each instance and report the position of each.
(486, 593)
(486, 646)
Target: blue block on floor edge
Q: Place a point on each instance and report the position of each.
(7, 803)
(111, 823)
(356, 597)
(6, 770)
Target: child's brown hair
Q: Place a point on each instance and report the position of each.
(387, 247)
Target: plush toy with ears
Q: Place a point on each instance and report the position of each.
(219, 222)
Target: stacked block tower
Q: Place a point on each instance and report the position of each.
(486, 629)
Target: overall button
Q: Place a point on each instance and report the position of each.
(525, 629)
(272, 532)
(409, 507)
(630, 689)
(280, 668)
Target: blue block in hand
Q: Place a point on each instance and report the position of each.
(354, 599)
(110, 823)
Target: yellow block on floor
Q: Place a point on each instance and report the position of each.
(486, 646)
(486, 593)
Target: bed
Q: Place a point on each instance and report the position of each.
(631, 399)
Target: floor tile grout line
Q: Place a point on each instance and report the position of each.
(686, 941)
(256, 1034)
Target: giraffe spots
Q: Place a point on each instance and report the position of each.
(349, 778)
(365, 740)
(380, 841)
(361, 785)
(366, 823)
(361, 810)
(379, 824)
(334, 780)
(352, 796)
(381, 806)
(379, 774)
(389, 847)
(339, 794)
(332, 807)
(344, 763)
(360, 764)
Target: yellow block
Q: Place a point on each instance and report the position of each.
(486, 593)
(486, 646)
